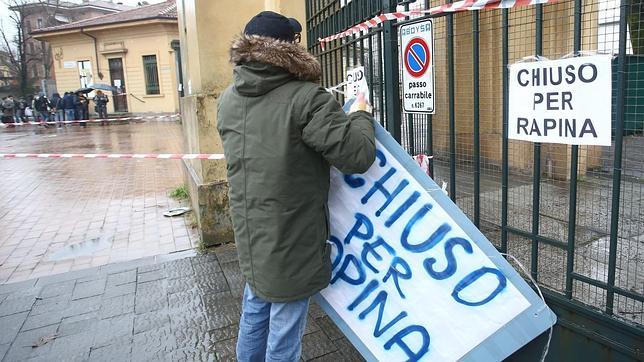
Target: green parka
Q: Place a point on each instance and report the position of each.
(281, 132)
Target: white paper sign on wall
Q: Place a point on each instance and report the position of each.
(413, 279)
(564, 101)
(69, 64)
(417, 44)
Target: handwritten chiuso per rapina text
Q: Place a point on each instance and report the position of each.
(352, 269)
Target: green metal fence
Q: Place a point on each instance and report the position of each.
(573, 214)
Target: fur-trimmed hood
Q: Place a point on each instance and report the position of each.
(288, 56)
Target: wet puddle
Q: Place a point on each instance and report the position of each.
(84, 248)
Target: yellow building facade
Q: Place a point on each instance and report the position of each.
(130, 51)
(207, 30)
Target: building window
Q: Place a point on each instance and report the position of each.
(28, 26)
(34, 72)
(85, 72)
(151, 74)
(39, 23)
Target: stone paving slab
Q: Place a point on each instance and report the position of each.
(178, 307)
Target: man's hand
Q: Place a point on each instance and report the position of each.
(360, 104)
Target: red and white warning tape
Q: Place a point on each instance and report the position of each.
(165, 156)
(160, 118)
(447, 8)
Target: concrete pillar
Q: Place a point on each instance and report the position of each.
(206, 30)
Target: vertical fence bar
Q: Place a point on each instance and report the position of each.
(476, 120)
(452, 99)
(309, 28)
(574, 160)
(430, 145)
(536, 178)
(410, 133)
(504, 141)
(391, 73)
(352, 20)
(617, 161)
(381, 71)
(410, 120)
(371, 65)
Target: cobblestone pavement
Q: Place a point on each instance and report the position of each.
(178, 307)
(62, 214)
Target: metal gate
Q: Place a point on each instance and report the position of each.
(572, 214)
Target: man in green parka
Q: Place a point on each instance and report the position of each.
(281, 133)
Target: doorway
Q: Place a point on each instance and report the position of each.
(85, 73)
(118, 82)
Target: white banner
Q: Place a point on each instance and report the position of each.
(561, 101)
(412, 278)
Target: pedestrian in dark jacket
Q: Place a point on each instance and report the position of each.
(58, 109)
(78, 108)
(68, 106)
(7, 107)
(84, 105)
(21, 105)
(101, 101)
(80, 102)
(41, 105)
(281, 132)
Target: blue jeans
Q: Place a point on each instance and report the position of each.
(270, 331)
(43, 116)
(69, 115)
(60, 115)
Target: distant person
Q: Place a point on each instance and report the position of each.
(21, 105)
(101, 101)
(41, 106)
(15, 109)
(69, 107)
(58, 109)
(82, 107)
(8, 110)
(29, 113)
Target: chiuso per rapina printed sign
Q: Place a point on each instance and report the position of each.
(413, 279)
(561, 101)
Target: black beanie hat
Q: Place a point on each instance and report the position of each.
(273, 25)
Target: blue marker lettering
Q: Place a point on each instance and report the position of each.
(364, 294)
(361, 220)
(395, 273)
(402, 208)
(398, 339)
(370, 248)
(474, 276)
(341, 273)
(355, 181)
(379, 186)
(340, 248)
(434, 239)
(381, 300)
(381, 156)
(450, 269)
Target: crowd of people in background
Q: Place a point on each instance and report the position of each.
(71, 106)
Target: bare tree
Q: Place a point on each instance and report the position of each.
(20, 55)
(50, 8)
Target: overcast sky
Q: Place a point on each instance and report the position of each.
(6, 22)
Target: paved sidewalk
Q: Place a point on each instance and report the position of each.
(60, 215)
(176, 307)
